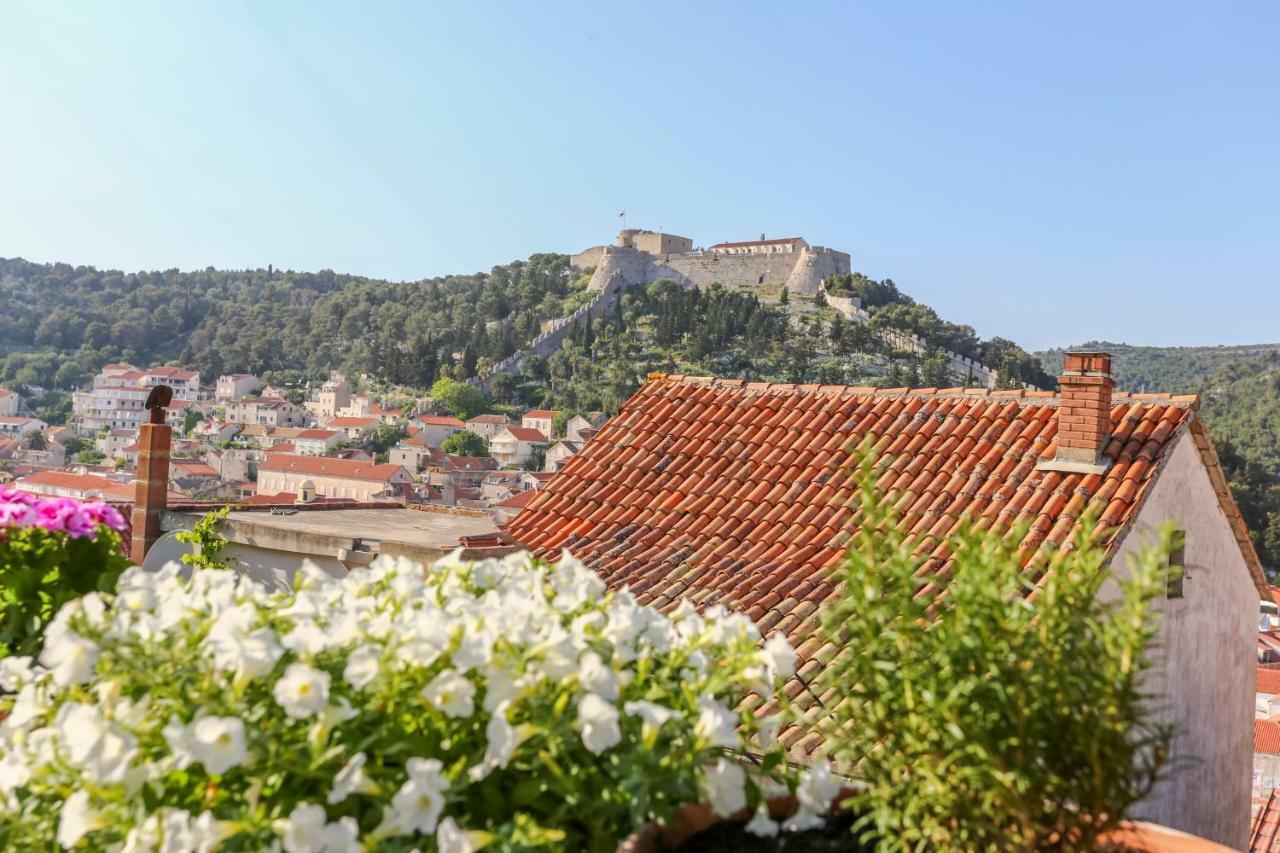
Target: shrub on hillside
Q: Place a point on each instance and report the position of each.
(52, 550)
(506, 704)
(987, 710)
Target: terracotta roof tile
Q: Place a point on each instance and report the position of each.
(744, 489)
(1265, 826)
(1266, 736)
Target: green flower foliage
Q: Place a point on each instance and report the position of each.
(41, 569)
(989, 709)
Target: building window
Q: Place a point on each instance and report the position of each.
(1178, 567)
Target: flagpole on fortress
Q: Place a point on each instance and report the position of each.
(623, 217)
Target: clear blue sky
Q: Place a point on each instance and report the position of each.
(1047, 172)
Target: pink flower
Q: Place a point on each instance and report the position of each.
(15, 514)
(104, 513)
(58, 515)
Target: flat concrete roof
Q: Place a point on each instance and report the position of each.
(425, 534)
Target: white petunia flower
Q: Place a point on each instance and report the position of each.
(416, 807)
(77, 819)
(308, 830)
(716, 723)
(503, 740)
(363, 666)
(69, 657)
(302, 691)
(181, 742)
(351, 779)
(15, 672)
(761, 824)
(818, 787)
(598, 722)
(218, 743)
(14, 772)
(724, 784)
(652, 716)
(101, 750)
(803, 820)
(306, 640)
(596, 677)
(452, 693)
(779, 656)
(450, 838)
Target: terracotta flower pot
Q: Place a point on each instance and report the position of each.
(1133, 836)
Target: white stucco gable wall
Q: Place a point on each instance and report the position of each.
(1206, 677)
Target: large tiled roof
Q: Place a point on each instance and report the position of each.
(1266, 823)
(1266, 736)
(328, 467)
(721, 491)
(1269, 681)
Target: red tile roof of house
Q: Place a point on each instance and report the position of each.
(1265, 826)
(519, 500)
(526, 434)
(1269, 681)
(458, 462)
(326, 467)
(317, 434)
(722, 491)
(108, 489)
(282, 447)
(540, 413)
(192, 469)
(773, 242)
(173, 373)
(353, 422)
(440, 420)
(1266, 736)
(490, 419)
(5, 392)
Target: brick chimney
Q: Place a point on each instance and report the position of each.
(1084, 413)
(151, 489)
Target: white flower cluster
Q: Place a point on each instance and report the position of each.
(461, 701)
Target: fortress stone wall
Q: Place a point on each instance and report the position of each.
(800, 272)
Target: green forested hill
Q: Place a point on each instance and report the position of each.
(1239, 388)
(1177, 370)
(61, 323)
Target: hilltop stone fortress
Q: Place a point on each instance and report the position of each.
(641, 256)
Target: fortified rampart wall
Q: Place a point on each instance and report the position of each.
(800, 272)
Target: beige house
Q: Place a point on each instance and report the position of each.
(16, 426)
(539, 419)
(434, 429)
(576, 425)
(488, 426)
(514, 445)
(235, 386)
(414, 454)
(332, 478)
(265, 411)
(316, 442)
(560, 453)
(9, 403)
(333, 396)
(354, 429)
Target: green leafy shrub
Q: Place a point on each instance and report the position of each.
(207, 540)
(52, 550)
(984, 710)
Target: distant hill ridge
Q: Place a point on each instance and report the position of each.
(1178, 370)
